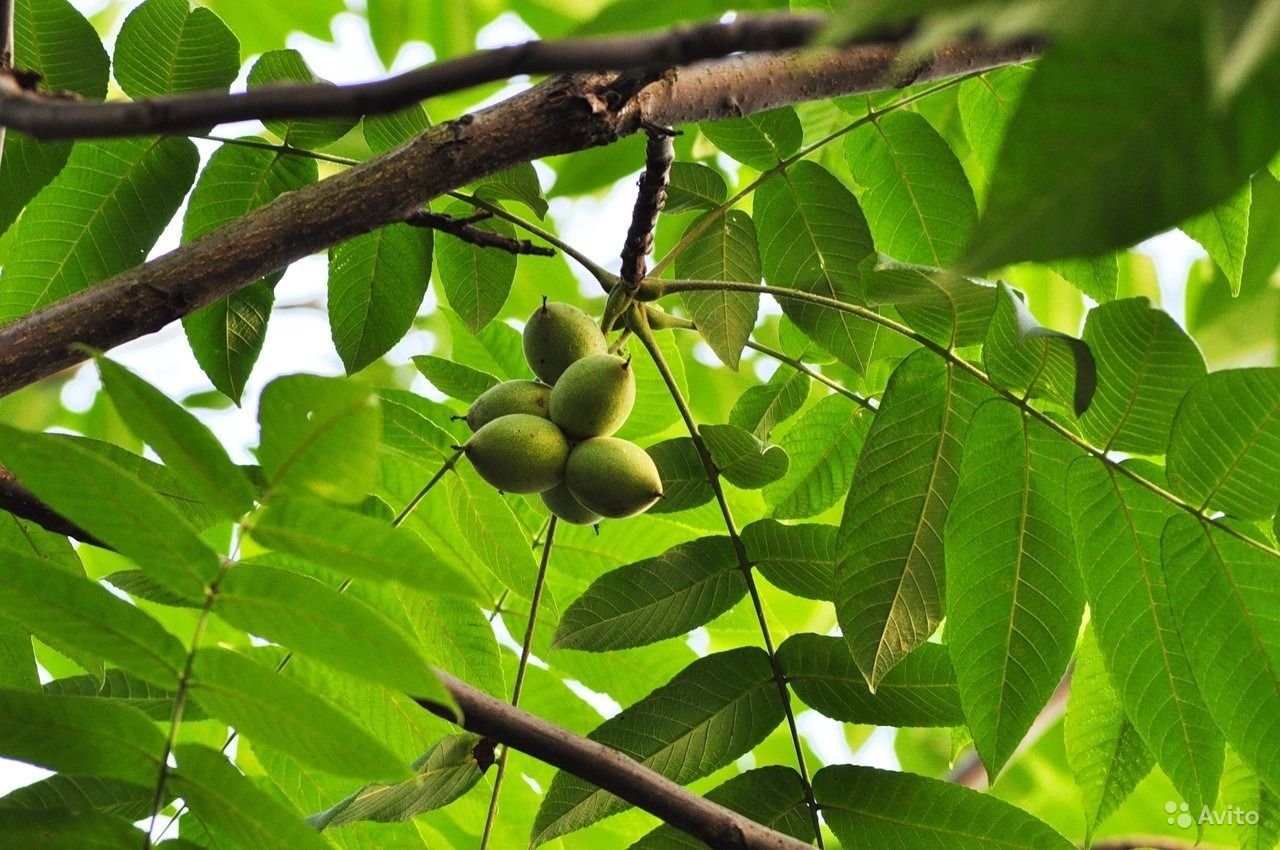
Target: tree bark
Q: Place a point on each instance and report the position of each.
(559, 116)
(718, 827)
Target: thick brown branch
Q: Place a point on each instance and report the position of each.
(465, 229)
(660, 152)
(611, 770)
(20, 502)
(559, 116)
(56, 118)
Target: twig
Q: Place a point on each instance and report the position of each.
(675, 286)
(800, 366)
(465, 229)
(660, 152)
(60, 118)
(526, 649)
(645, 335)
(613, 771)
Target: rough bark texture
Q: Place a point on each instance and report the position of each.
(562, 115)
(709, 822)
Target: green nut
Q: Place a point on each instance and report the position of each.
(519, 453)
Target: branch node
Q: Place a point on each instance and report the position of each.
(465, 229)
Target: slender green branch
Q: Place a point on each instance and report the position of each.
(180, 702)
(283, 150)
(714, 215)
(645, 335)
(800, 366)
(675, 286)
(525, 651)
(426, 488)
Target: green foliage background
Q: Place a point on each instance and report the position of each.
(971, 454)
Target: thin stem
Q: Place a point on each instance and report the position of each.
(707, 220)
(674, 286)
(288, 656)
(645, 335)
(6, 49)
(284, 150)
(800, 366)
(525, 650)
(180, 702)
(426, 488)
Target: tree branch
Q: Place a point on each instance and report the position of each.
(59, 118)
(20, 502)
(709, 822)
(465, 229)
(562, 115)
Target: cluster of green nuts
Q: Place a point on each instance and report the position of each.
(554, 436)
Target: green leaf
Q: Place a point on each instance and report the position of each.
(986, 104)
(111, 503)
(139, 585)
(1080, 176)
(920, 691)
(303, 614)
(448, 31)
(812, 238)
(447, 771)
(762, 407)
(476, 280)
(1224, 449)
(1242, 787)
(949, 309)
(1014, 596)
(914, 193)
(1020, 353)
(286, 67)
(657, 598)
(226, 336)
(800, 559)
(1146, 364)
(320, 435)
(454, 379)
(866, 807)
(493, 532)
(183, 442)
(231, 806)
(77, 735)
(823, 446)
(356, 545)
(85, 830)
(1117, 525)
(727, 251)
(53, 39)
(1224, 597)
(125, 689)
(693, 186)
(387, 132)
(376, 284)
(100, 216)
(889, 571)
(414, 427)
(772, 796)
(684, 478)
(518, 183)
(84, 614)
(760, 140)
(458, 637)
(165, 47)
(716, 709)
(742, 459)
(63, 793)
(1097, 277)
(261, 29)
(1223, 231)
(276, 711)
(1106, 753)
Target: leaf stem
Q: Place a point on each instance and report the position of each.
(800, 366)
(645, 334)
(426, 488)
(525, 651)
(675, 286)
